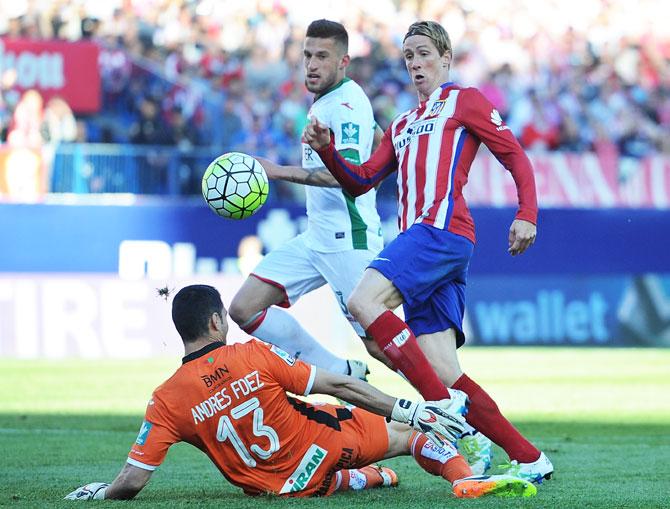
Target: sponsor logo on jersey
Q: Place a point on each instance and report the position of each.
(144, 433)
(497, 120)
(401, 338)
(350, 133)
(401, 143)
(303, 474)
(436, 108)
(220, 375)
(287, 358)
(307, 153)
(422, 127)
(416, 129)
(345, 459)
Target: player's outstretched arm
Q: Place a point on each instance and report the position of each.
(127, 484)
(442, 421)
(355, 179)
(319, 176)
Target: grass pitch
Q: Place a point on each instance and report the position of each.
(602, 415)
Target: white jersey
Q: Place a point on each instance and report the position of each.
(336, 220)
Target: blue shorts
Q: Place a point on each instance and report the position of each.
(429, 267)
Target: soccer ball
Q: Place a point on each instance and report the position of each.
(235, 185)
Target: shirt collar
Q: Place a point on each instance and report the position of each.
(334, 87)
(204, 350)
(436, 93)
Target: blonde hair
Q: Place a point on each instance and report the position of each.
(434, 31)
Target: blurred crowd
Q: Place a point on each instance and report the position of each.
(565, 74)
(27, 121)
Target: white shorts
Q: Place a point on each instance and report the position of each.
(298, 270)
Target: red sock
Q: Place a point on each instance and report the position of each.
(485, 415)
(399, 344)
(443, 461)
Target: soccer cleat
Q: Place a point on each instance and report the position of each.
(358, 369)
(536, 471)
(91, 491)
(477, 486)
(476, 448)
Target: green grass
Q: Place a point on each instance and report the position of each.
(603, 416)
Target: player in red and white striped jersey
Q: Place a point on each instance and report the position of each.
(425, 268)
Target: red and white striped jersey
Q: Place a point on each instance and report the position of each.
(432, 148)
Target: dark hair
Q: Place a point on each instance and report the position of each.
(326, 29)
(192, 308)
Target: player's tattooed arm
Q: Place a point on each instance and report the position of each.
(441, 420)
(318, 176)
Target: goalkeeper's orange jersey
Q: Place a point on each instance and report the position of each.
(231, 403)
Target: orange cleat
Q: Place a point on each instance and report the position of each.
(500, 485)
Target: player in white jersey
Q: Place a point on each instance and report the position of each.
(343, 233)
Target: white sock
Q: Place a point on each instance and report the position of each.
(281, 329)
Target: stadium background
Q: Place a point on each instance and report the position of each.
(110, 111)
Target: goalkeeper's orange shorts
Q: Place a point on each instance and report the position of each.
(363, 439)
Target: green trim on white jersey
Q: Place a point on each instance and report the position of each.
(334, 87)
(359, 229)
(358, 225)
(336, 220)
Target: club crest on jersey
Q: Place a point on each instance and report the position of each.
(436, 108)
(286, 357)
(350, 133)
(144, 433)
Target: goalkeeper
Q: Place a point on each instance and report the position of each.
(231, 402)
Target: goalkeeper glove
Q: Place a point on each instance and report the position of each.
(91, 491)
(440, 420)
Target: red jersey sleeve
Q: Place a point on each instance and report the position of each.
(156, 436)
(291, 374)
(481, 118)
(359, 179)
